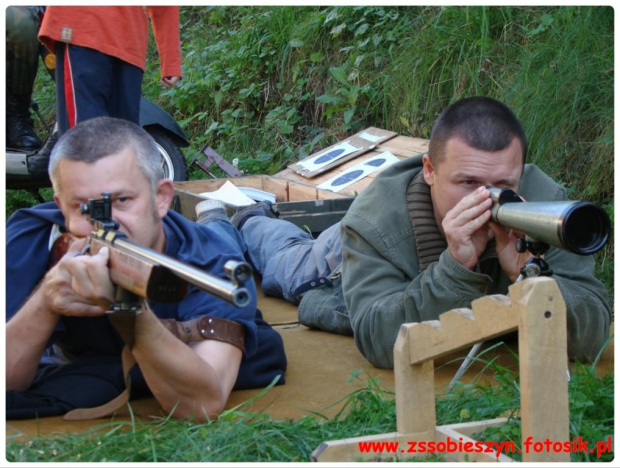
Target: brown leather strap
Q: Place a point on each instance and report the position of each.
(80, 414)
(208, 328)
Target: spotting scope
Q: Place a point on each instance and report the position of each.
(576, 226)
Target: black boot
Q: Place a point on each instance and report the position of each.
(20, 132)
(38, 163)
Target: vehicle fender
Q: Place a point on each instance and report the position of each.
(151, 115)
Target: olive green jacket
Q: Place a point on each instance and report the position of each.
(384, 287)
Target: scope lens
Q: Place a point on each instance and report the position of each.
(585, 229)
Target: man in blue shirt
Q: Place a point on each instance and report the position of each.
(65, 305)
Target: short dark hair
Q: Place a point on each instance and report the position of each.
(99, 137)
(481, 122)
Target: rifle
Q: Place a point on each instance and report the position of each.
(143, 272)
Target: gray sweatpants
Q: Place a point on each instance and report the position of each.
(288, 257)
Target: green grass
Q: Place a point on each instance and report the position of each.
(242, 436)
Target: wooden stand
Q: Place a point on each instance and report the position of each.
(537, 310)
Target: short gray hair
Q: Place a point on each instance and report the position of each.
(94, 139)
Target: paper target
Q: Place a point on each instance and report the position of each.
(358, 172)
(328, 156)
(333, 154)
(347, 177)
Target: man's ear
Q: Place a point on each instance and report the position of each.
(163, 196)
(429, 170)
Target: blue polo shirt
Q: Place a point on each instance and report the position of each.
(28, 259)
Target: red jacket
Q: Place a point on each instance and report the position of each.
(121, 32)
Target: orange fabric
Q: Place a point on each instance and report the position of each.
(121, 32)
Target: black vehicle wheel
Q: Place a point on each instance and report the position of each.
(173, 162)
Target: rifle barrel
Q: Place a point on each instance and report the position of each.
(226, 290)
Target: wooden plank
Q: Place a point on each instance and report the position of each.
(276, 186)
(491, 316)
(187, 202)
(284, 190)
(414, 389)
(298, 191)
(357, 140)
(404, 146)
(210, 185)
(543, 365)
(470, 428)
(468, 449)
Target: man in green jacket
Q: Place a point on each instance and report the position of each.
(419, 241)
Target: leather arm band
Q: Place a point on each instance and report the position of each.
(208, 328)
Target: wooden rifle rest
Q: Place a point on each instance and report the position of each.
(537, 310)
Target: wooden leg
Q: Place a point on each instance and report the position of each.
(415, 390)
(543, 362)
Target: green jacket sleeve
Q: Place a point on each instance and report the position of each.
(380, 296)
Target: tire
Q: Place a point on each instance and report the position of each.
(173, 161)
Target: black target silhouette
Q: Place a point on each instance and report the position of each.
(347, 177)
(329, 156)
(376, 162)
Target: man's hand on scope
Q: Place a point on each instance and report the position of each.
(466, 227)
(79, 285)
(509, 258)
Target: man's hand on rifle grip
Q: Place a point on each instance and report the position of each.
(79, 285)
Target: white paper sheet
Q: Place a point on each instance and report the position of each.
(230, 194)
(370, 137)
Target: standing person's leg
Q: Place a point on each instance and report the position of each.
(126, 92)
(22, 61)
(83, 85)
